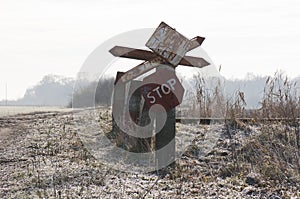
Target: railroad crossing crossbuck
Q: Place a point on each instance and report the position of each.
(168, 50)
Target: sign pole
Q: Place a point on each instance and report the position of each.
(166, 137)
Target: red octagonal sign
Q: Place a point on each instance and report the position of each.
(164, 88)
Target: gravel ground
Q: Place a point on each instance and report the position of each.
(42, 156)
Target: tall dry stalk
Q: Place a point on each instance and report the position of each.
(280, 99)
(210, 97)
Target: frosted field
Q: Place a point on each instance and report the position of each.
(13, 110)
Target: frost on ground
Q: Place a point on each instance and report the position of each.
(42, 156)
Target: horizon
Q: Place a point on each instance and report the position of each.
(245, 77)
(230, 86)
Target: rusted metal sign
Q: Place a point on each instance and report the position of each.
(166, 91)
(141, 69)
(169, 44)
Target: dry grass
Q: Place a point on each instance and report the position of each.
(274, 153)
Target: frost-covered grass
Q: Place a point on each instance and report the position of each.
(47, 159)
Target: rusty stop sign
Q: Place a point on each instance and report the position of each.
(166, 91)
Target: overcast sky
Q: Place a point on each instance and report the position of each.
(39, 37)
